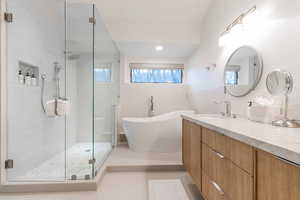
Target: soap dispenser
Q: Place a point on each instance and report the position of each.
(20, 77)
(249, 107)
(33, 80)
(27, 79)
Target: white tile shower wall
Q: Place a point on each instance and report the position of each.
(135, 97)
(37, 37)
(72, 95)
(275, 35)
(85, 98)
(105, 95)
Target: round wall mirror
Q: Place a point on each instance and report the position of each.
(243, 71)
(280, 83)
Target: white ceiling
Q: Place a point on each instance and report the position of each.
(157, 11)
(143, 49)
(138, 25)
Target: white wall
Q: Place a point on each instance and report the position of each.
(134, 100)
(275, 35)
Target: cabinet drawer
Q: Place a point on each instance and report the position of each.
(210, 189)
(215, 165)
(235, 182)
(214, 140)
(239, 153)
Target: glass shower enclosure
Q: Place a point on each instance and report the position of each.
(62, 90)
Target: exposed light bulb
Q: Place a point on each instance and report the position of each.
(159, 48)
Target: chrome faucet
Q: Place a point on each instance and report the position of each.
(227, 108)
(151, 110)
(227, 112)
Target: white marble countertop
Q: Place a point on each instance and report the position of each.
(282, 142)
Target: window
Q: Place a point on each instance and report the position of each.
(103, 73)
(156, 73)
(232, 77)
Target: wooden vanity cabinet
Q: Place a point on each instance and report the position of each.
(192, 150)
(226, 169)
(277, 179)
(186, 139)
(213, 163)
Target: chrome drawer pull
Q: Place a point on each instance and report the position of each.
(218, 154)
(217, 187)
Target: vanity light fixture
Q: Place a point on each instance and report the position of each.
(159, 48)
(235, 26)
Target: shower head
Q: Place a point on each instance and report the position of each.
(74, 57)
(57, 68)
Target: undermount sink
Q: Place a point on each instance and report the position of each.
(211, 116)
(216, 116)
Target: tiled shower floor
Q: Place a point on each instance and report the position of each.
(77, 163)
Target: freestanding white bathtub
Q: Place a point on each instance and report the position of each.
(155, 134)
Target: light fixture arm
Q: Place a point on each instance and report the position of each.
(238, 20)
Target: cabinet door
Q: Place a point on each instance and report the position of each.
(240, 185)
(195, 150)
(186, 150)
(241, 154)
(277, 179)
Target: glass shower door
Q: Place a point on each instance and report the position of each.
(106, 91)
(35, 47)
(79, 58)
(59, 52)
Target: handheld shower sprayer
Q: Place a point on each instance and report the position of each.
(59, 105)
(57, 69)
(43, 77)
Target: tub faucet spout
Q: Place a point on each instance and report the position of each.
(151, 110)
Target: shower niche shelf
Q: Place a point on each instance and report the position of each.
(31, 69)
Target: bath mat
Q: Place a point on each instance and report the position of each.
(167, 190)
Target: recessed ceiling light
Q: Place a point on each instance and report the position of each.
(159, 48)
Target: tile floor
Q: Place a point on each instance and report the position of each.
(130, 185)
(114, 186)
(123, 156)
